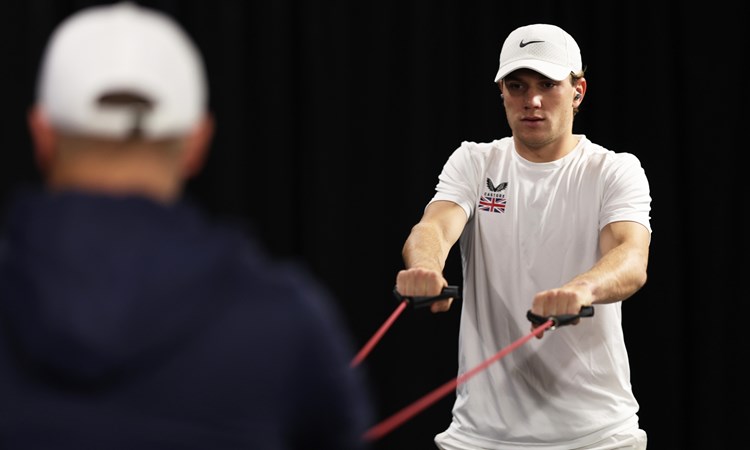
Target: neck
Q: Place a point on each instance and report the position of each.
(118, 170)
(546, 151)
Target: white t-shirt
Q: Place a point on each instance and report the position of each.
(534, 226)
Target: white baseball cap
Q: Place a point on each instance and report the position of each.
(546, 49)
(116, 48)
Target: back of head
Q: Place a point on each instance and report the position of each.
(112, 71)
(544, 48)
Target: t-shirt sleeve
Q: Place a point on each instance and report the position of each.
(626, 192)
(458, 180)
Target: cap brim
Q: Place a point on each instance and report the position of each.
(551, 71)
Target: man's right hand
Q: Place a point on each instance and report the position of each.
(418, 282)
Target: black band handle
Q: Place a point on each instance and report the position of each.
(420, 302)
(562, 319)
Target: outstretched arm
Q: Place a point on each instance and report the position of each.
(426, 250)
(619, 273)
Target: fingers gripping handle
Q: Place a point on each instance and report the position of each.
(562, 319)
(419, 302)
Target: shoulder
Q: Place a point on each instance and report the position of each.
(476, 155)
(256, 277)
(486, 148)
(281, 299)
(286, 286)
(610, 160)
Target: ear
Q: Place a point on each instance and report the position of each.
(44, 137)
(500, 86)
(197, 144)
(580, 92)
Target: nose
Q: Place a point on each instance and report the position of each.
(533, 99)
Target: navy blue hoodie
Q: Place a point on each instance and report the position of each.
(128, 324)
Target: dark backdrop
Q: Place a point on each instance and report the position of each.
(334, 119)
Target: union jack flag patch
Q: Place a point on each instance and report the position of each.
(492, 204)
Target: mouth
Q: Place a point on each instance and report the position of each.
(532, 124)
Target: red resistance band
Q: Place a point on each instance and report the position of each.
(396, 420)
(418, 302)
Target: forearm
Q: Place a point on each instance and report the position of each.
(620, 273)
(432, 238)
(425, 248)
(425, 252)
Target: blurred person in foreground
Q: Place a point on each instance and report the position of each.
(549, 222)
(128, 319)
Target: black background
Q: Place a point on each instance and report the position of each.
(334, 119)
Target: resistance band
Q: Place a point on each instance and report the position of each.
(396, 420)
(393, 422)
(418, 302)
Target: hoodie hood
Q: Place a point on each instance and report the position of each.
(91, 283)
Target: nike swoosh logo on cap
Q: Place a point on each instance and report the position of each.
(524, 44)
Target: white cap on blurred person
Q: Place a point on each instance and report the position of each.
(546, 49)
(106, 51)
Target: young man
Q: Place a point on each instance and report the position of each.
(129, 319)
(549, 222)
